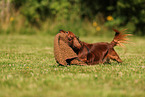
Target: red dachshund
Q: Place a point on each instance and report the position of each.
(96, 53)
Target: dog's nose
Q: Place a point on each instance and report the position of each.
(60, 30)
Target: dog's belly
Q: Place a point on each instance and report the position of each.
(97, 53)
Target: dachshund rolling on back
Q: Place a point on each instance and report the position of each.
(96, 53)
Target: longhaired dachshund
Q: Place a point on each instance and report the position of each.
(96, 53)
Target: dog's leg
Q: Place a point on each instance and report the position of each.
(113, 55)
(83, 59)
(77, 61)
(115, 58)
(106, 59)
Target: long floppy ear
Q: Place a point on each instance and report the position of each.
(62, 31)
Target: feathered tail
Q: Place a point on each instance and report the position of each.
(119, 38)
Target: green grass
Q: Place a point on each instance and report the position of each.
(28, 69)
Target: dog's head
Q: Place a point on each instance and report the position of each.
(74, 41)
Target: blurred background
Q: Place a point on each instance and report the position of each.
(83, 17)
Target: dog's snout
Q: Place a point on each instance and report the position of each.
(77, 43)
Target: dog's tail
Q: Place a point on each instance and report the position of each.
(119, 38)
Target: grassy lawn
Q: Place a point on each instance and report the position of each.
(28, 69)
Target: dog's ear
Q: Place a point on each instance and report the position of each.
(62, 31)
